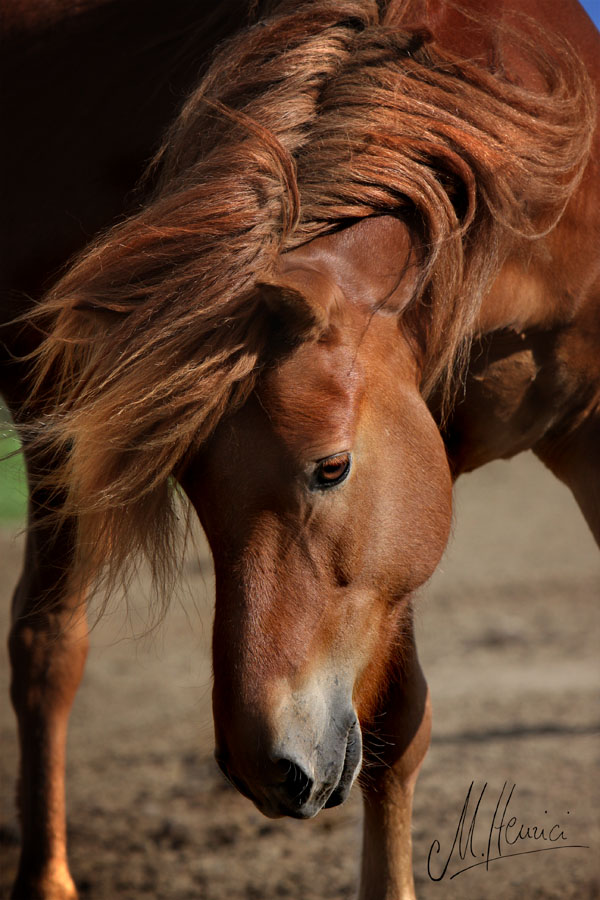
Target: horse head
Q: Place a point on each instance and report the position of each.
(326, 500)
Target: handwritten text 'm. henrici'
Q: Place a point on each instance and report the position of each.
(507, 836)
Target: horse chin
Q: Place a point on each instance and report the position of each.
(352, 765)
(327, 796)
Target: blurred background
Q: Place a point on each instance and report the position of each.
(593, 10)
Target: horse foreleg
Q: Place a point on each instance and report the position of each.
(388, 783)
(575, 460)
(48, 646)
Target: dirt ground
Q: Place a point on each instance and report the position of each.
(508, 634)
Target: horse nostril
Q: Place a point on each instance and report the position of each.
(297, 785)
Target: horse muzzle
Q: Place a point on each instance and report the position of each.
(298, 776)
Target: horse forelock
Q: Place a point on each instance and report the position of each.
(323, 113)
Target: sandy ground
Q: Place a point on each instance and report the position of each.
(508, 634)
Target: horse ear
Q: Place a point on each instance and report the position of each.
(372, 263)
(299, 301)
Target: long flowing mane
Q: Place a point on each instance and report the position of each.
(322, 113)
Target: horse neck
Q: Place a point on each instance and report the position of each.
(534, 366)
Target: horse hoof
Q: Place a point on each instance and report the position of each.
(56, 886)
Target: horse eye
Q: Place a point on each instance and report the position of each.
(331, 471)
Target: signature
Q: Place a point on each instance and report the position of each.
(507, 836)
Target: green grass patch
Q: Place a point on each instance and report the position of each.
(13, 483)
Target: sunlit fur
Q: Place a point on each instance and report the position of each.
(321, 114)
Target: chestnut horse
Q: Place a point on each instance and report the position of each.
(364, 260)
